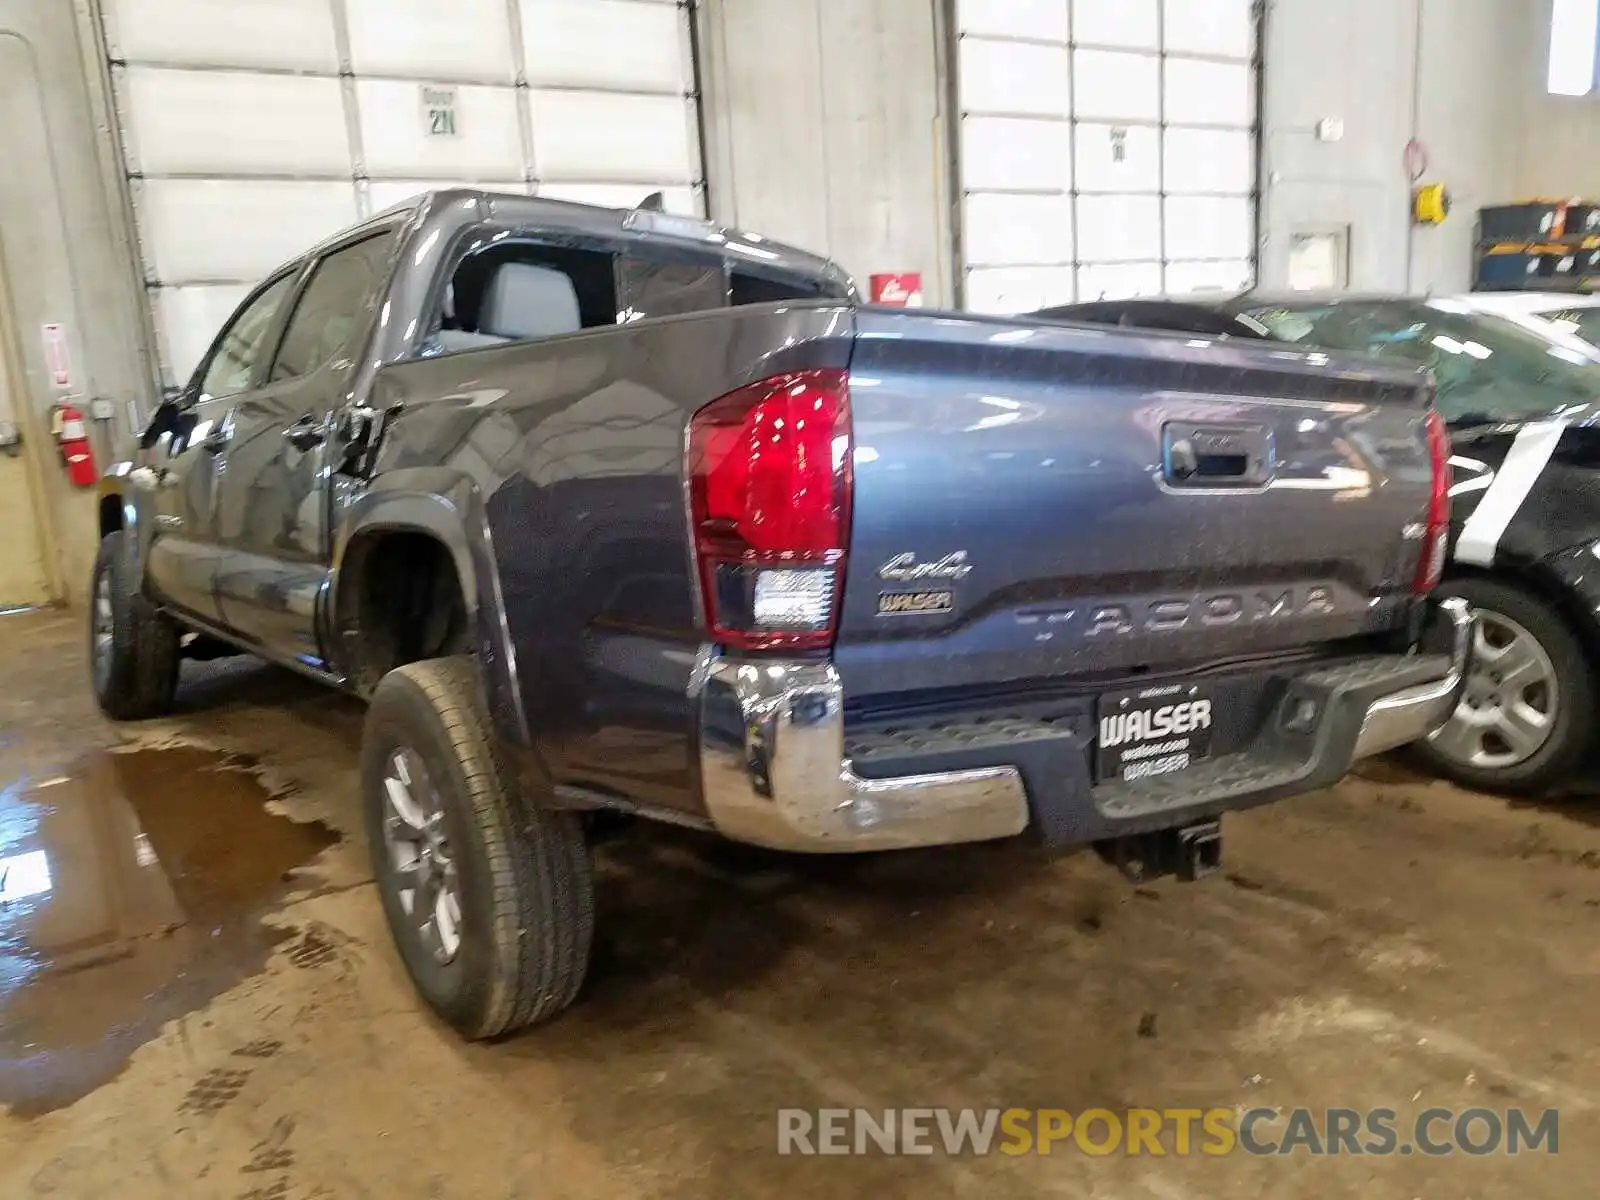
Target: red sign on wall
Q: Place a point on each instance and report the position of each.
(902, 290)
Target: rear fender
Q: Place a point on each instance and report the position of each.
(446, 506)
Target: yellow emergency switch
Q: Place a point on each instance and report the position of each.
(1430, 204)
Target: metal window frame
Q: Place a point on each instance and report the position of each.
(948, 30)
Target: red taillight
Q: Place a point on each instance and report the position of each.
(769, 498)
(1430, 566)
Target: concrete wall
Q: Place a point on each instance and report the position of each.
(1559, 152)
(66, 254)
(1456, 91)
(824, 127)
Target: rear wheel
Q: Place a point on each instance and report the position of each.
(490, 901)
(1522, 724)
(133, 647)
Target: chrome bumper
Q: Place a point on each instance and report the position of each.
(1413, 714)
(774, 771)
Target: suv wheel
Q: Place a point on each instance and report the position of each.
(1522, 722)
(133, 647)
(490, 900)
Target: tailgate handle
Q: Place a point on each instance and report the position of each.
(1216, 455)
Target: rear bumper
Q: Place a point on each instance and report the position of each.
(1412, 713)
(775, 769)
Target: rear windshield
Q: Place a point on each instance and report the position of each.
(1487, 368)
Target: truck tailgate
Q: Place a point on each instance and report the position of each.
(1036, 501)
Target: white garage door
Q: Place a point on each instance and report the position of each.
(253, 128)
(1107, 148)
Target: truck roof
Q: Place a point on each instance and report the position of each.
(455, 207)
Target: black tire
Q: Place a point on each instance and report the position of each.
(522, 874)
(1568, 740)
(134, 670)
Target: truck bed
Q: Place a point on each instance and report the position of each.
(1016, 532)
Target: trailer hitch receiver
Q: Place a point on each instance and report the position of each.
(1190, 852)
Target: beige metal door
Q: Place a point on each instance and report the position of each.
(23, 577)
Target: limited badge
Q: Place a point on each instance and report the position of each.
(908, 604)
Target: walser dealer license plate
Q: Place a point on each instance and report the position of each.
(1152, 731)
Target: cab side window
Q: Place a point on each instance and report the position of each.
(668, 286)
(747, 288)
(519, 292)
(333, 308)
(243, 341)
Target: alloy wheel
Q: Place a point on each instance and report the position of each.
(103, 621)
(1508, 708)
(425, 877)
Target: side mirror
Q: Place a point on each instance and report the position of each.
(164, 420)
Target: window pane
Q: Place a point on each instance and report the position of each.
(1003, 229)
(1209, 227)
(1116, 86)
(1116, 23)
(1008, 153)
(1588, 322)
(1119, 158)
(1485, 367)
(1119, 282)
(1228, 277)
(1014, 77)
(1221, 27)
(333, 307)
(1209, 160)
(1200, 92)
(660, 289)
(1018, 289)
(242, 343)
(1118, 229)
(753, 289)
(1040, 19)
(1573, 28)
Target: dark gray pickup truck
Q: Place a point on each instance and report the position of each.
(609, 510)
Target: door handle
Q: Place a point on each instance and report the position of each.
(305, 434)
(219, 435)
(1217, 455)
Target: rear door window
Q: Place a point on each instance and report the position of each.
(334, 306)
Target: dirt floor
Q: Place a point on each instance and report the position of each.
(198, 995)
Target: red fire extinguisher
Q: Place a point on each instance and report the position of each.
(72, 435)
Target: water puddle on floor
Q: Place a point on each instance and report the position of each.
(131, 891)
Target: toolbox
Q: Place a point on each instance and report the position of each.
(1538, 245)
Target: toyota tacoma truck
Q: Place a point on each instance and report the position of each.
(611, 511)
